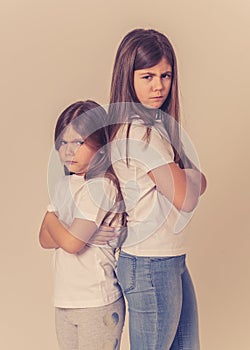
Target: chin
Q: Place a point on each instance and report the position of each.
(154, 105)
(150, 106)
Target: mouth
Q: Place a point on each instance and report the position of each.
(157, 98)
(70, 162)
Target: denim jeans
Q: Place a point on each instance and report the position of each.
(161, 302)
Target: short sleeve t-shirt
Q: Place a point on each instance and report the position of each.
(85, 279)
(155, 226)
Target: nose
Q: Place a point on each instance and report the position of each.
(158, 85)
(69, 149)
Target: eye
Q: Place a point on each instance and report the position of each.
(62, 143)
(78, 142)
(167, 75)
(147, 77)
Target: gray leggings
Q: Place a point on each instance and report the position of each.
(95, 328)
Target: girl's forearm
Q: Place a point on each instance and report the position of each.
(195, 187)
(182, 187)
(196, 179)
(45, 238)
(60, 234)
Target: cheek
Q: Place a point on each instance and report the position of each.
(86, 155)
(138, 87)
(140, 92)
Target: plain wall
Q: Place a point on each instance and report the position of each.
(54, 52)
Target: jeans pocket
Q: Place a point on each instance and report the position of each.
(126, 272)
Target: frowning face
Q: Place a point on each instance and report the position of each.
(74, 153)
(152, 85)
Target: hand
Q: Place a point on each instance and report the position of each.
(103, 235)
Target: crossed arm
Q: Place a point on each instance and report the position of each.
(182, 187)
(53, 234)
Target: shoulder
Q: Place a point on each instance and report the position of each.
(138, 129)
(103, 181)
(145, 143)
(155, 135)
(100, 187)
(96, 197)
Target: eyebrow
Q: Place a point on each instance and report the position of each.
(153, 74)
(74, 140)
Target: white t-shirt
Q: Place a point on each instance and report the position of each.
(155, 226)
(85, 279)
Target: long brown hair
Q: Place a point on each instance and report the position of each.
(88, 119)
(139, 49)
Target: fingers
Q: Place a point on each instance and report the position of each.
(102, 237)
(108, 235)
(105, 228)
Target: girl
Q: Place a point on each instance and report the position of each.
(161, 188)
(89, 306)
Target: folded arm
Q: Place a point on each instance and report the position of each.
(53, 234)
(182, 187)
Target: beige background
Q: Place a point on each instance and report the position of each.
(54, 52)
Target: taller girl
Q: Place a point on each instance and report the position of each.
(161, 188)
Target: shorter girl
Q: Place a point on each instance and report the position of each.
(89, 306)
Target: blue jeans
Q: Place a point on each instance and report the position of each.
(161, 302)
